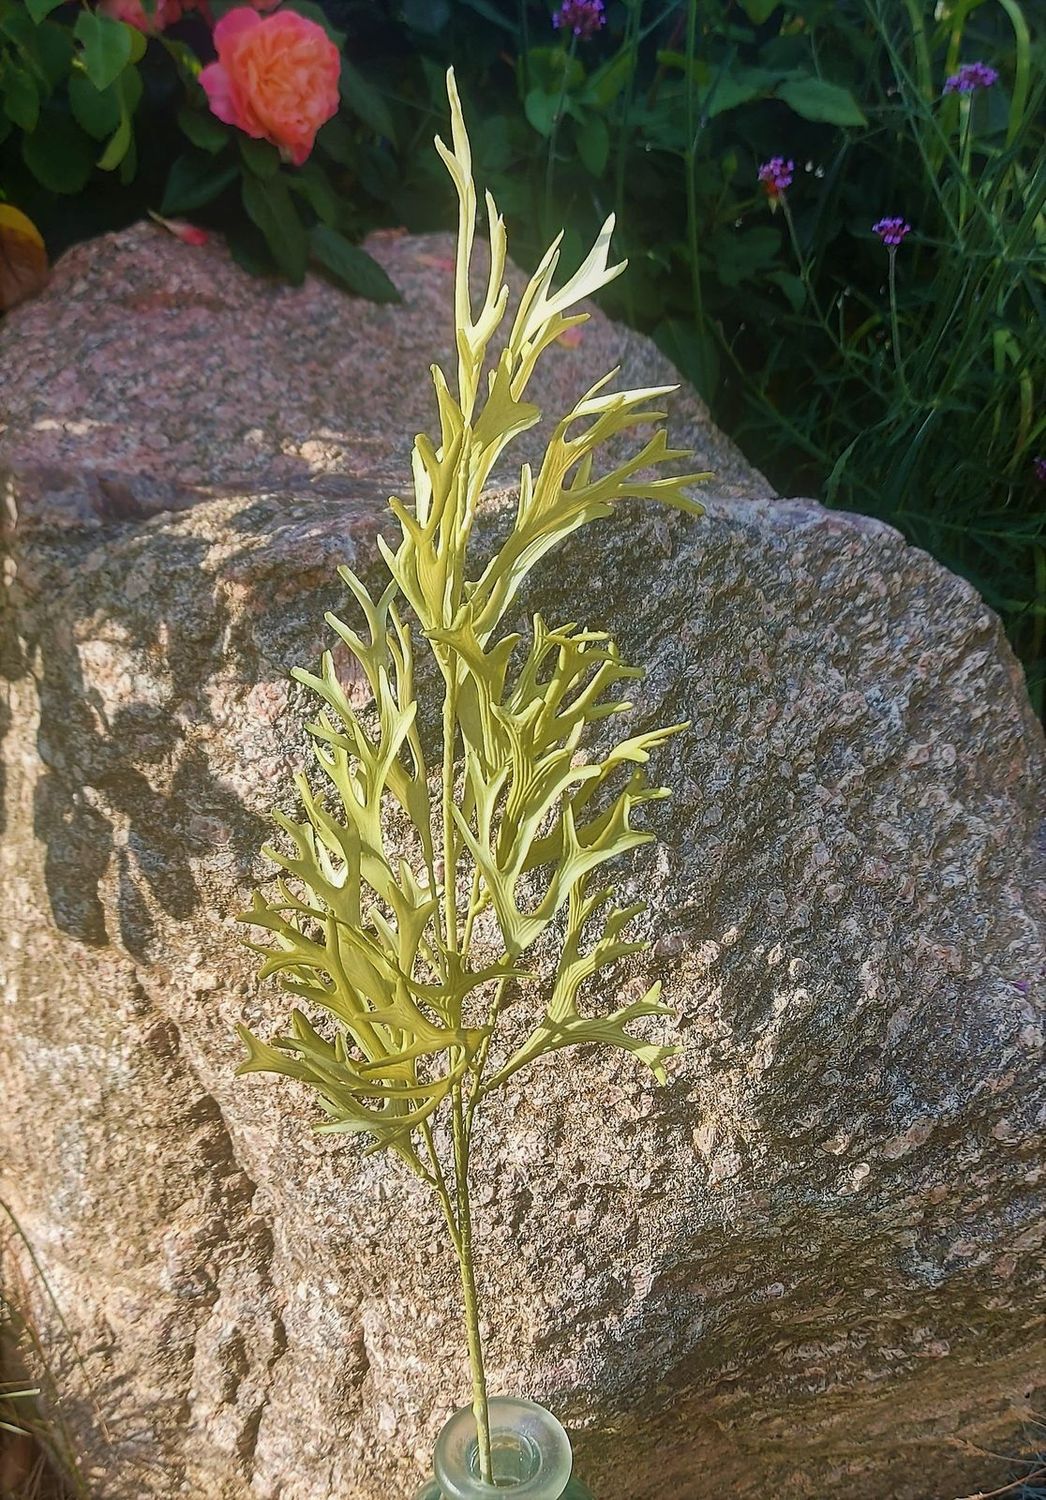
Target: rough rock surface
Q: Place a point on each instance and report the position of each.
(164, 383)
(811, 1265)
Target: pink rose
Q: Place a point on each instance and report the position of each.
(164, 13)
(276, 78)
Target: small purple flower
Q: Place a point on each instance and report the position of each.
(1039, 465)
(582, 17)
(971, 76)
(776, 175)
(892, 231)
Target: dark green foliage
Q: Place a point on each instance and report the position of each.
(784, 323)
(782, 319)
(83, 95)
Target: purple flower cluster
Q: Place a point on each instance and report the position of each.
(1039, 465)
(582, 17)
(971, 76)
(776, 175)
(892, 231)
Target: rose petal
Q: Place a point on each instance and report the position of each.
(233, 24)
(217, 86)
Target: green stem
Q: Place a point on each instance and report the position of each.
(808, 283)
(450, 881)
(468, 1287)
(631, 47)
(550, 165)
(895, 327)
(965, 154)
(691, 167)
(480, 1060)
(524, 38)
(923, 65)
(1022, 71)
(439, 1184)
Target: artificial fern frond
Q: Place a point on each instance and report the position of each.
(374, 924)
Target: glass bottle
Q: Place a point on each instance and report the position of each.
(530, 1455)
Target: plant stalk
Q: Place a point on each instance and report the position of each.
(895, 327)
(690, 162)
(550, 164)
(466, 1264)
(450, 872)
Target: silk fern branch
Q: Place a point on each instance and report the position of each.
(515, 825)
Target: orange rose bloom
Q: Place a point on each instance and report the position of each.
(276, 78)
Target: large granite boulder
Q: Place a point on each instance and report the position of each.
(810, 1265)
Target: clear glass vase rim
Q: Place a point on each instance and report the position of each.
(547, 1484)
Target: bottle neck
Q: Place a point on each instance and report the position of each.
(530, 1454)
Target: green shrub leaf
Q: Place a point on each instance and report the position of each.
(428, 17)
(491, 13)
(53, 51)
(365, 101)
(118, 146)
(249, 250)
(740, 255)
(376, 174)
(607, 82)
(759, 11)
(58, 154)
(353, 267)
(269, 205)
(593, 144)
(129, 164)
(815, 99)
(21, 98)
(541, 109)
(312, 183)
(47, 49)
(734, 88)
(555, 69)
(195, 180)
(791, 285)
(337, 141)
(39, 9)
(260, 157)
(203, 129)
(107, 46)
(95, 110)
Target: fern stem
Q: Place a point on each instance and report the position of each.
(468, 1287)
(438, 1183)
(450, 880)
(480, 1060)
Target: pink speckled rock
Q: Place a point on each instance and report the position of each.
(151, 375)
(810, 1266)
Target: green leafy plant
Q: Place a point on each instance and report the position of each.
(409, 944)
(664, 114)
(900, 381)
(785, 322)
(102, 121)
